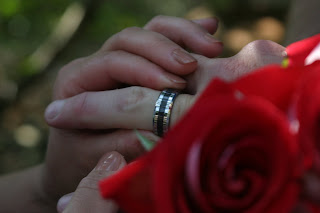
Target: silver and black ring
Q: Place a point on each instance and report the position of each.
(162, 111)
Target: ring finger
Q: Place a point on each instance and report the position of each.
(127, 108)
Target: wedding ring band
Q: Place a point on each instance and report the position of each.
(162, 111)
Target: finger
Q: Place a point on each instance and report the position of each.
(109, 70)
(126, 108)
(210, 24)
(87, 196)
(94, 144)
(125, 142)
(195, 35)
(154, 47)
(64, 201)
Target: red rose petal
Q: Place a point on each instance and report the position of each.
(280, 147)
(273, 83)
(229, 180)
(299, 51)
(308, 114)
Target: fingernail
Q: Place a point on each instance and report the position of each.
(176, 79)
(211, 39)
(284, 54)
(110, 162)
(63, 202)
(182, 56)
(54, 109)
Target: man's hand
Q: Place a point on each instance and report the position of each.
(87, 197)
(152, 57)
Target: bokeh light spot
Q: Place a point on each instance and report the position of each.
(27, 135)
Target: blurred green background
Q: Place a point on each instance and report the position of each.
(38, 37)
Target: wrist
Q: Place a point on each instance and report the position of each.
(23, 192)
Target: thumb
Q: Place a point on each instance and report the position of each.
(87, 197)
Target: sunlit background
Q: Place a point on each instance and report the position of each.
(38, 37)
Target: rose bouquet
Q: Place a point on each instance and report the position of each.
(244, 146)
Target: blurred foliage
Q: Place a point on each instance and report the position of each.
(233, 12)
(26, 25)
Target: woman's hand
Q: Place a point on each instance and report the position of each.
(149, 57)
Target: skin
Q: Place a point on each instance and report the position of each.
(94, 87)
(87, 196)
(132, 107)
(123, 60)
(139, 103)
(108, 70)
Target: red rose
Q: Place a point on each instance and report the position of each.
(298, 52)
(230, 153)
(293, 90)
(308, 114)
(273, 83)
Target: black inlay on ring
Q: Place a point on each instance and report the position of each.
(161, 114)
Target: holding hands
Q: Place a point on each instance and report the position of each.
(91, 116)
(99, 99)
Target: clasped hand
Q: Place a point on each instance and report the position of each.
(99, 99)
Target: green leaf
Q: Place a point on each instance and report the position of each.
(8, 8)
(147, 144)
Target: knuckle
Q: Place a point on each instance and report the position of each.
(65, 80)
(127, 32)
(90, 182)
(130, 30)
(139, 93)
(75, 64)
(155, 20)
(160, 41)
(257, 47)
(112, 56)
(120, 37)
(132, 100)
(81, 105)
